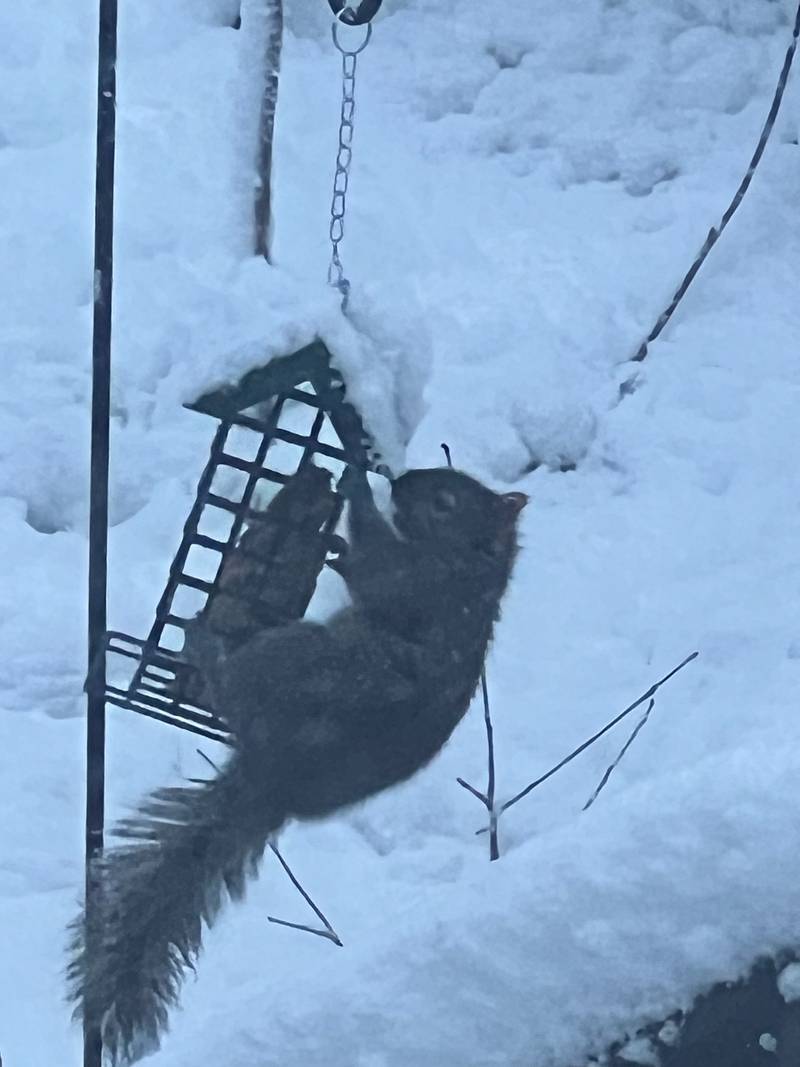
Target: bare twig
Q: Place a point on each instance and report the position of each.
(622, 752)
(485, 798)
(715, 232)
(595, 737)
(273, 22)
(475, 792)
(328, 932)
(208, 760)
(494, 851)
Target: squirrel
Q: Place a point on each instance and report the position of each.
(324, 716)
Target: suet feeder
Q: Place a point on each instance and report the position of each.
(274, 422)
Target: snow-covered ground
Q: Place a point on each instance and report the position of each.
(530, 181)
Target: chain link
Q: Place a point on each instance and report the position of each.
(344, 157)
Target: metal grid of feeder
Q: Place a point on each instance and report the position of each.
(270, 424)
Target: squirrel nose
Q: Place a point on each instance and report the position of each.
(515, 501)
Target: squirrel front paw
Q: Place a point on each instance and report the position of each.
(353, 483)
(340, 548)
(337, 545)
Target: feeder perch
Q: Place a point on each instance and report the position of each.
(271, 426)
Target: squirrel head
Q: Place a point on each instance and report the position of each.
(450, 509)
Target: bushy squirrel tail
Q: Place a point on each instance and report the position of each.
(182, 854)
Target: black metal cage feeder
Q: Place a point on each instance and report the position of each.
(299, 388)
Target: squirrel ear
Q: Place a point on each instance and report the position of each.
(514, 501)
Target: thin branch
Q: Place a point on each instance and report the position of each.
(208, 759)
(622, 752)
(475, 792)
(273, 23)
(494, 851)
(200, 781)
(716, 232)
(595, 737)
(328, 932)
(487, 798)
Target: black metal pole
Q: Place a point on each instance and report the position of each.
(98, 490)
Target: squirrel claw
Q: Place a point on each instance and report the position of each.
(352, 482)
(339, 565)
(340, 561)
(337, 545)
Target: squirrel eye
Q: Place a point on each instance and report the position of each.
(444, 501)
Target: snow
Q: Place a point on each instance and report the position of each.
(789, 982)
(640, 1051)
(768, 1042)
(669, 1033)
(527, 189)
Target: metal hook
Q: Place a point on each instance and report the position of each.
(350, 51)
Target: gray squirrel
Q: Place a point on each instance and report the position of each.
(324, 716)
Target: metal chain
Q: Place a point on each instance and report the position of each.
(344, 156)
